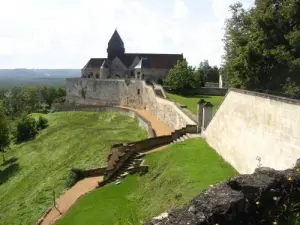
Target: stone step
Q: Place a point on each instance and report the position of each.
(124, 174)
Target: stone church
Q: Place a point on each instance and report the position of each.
(119, 64)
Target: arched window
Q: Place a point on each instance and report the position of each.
(97, 75)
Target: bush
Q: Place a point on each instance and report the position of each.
(42, 123)
(26, 129)
(74, 176)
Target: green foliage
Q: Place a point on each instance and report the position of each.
(176, 175)
(42, 123)
(46, 161)
(181, 77)
(262, 47)
(206, 73)
(26, 129)
(74, 176)
(4, 133)
(19, 100)
(191, 101)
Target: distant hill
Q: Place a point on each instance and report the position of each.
(28, 77)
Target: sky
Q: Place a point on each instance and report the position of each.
(67, 33)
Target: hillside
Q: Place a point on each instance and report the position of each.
(176, 175)
(36, 168)
(31, 77)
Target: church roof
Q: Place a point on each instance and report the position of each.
(115, 41)
(104, 64)
(143, 63)
(155, 61)
(95, 62)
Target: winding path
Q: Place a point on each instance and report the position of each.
(70, 196)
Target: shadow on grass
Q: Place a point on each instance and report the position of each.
(9, 161)
(8, 172)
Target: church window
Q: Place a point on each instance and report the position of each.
(138, 91)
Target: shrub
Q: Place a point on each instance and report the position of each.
(74, 176)
(26, 129)
(42, 123)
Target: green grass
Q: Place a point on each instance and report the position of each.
(35, 168)
(191, 101)
(176, 175)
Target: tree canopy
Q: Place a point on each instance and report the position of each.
(4, 132)
(181, 77)
(262, 46)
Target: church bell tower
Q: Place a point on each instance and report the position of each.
(115, 47)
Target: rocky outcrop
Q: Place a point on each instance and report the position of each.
(259, 198)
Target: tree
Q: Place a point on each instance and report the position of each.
(262, 46)
(26, 129)
(42, 123)
(181, 77)
(206, 73)
(4, 133)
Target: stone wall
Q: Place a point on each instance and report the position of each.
(143, 122)
(251, 128)
(264, 197)
(104, 91)
(165, 110)
(132, 93)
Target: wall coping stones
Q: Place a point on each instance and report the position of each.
(268, 96)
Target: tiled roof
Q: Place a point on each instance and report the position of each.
(155, 61)
(95, 62)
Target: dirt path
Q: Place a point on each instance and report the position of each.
(160, 127)
(67, 199)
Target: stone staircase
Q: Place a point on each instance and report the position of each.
(132, 165)
(186, 137)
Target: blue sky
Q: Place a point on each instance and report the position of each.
(66, 33)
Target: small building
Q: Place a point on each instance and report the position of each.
(121, 65)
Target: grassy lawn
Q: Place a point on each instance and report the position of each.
(35, 168)
(175, 176)
(191, 101)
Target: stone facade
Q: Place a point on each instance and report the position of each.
(119, 64)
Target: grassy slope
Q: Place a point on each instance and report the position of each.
(73, 139)
(176, 175)
(191, 101)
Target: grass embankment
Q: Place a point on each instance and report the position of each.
(191, 101)
(35, 168)
(175, 176)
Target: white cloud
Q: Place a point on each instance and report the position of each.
(65, 34)
(180, 9)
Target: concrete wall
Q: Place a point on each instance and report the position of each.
(250, 125)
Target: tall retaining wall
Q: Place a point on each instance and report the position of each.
(132, 93)
(165, 110)
(251, 128)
